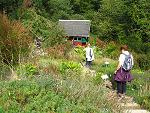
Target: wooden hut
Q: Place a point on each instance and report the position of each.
(76, 30)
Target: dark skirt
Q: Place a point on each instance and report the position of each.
(123, 76)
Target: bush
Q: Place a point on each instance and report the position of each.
(50, 32)
(97, 79)
(111, 50)
(144, 61)
(70, 68)
(80, 52)
(59, 51)
(14, 41)
(27, 70)
(44, 94)
(139, 88)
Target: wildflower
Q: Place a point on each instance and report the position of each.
(107, 63)
(104, 77)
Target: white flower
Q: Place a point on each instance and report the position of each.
(104, 77)
(106, 63)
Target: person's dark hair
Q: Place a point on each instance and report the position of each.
(124, 47)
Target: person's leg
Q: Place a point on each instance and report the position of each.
(90, 63)
(123, 87)
(86, 62)
(119, 89)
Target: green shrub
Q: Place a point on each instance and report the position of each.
(97, 79)
(60, 51)
(50, 32)
(111, 50)
(80, 51)
(70, 68)
(44, 94)
(139, 88)
(144, 61)
(98, 52)
(27, 70)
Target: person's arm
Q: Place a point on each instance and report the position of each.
(119, 63)
(92, 54)
(132, 60)
(118, 67)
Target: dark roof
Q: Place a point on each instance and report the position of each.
(76, 27)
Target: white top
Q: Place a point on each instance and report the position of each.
(88, 56)
(122, 58)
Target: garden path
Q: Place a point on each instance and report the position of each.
(126, 102)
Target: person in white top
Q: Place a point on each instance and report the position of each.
(122, 73)
(89, 55)
(122, 57)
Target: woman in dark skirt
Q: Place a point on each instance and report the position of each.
(122, 75)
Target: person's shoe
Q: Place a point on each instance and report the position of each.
(123, 95)
(119, 94)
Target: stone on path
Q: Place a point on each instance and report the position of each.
(130, 105)
(136, 111)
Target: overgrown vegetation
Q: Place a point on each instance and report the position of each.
(140, 88)
(56, 81)
(14, 41)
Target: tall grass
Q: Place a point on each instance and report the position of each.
(14, 41)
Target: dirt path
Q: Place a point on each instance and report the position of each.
(127, 103)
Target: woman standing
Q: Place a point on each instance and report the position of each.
(122, 73)
(89, 55)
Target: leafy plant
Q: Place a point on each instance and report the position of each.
(50, 32)
(139, 88)
(45, 94)
(111, 50)
(70, 68)
(27, 70)
(97, 79)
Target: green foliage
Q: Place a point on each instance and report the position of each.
(82, 6)
(97, 79)
(77, 17)
(111, 50)
(44, 94)
(98, 52)
(139, 88)
(10, 5)
(126, 22)
(80, 51)
(27, 70)
(144, 61)
(54, 9)
(70, 68)
(50, 33)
